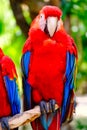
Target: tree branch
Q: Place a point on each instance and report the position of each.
(25, 117)
(17, 11)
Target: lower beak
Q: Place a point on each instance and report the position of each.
(52, 25)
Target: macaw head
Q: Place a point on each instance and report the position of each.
(49, 20)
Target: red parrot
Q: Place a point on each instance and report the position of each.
(48, 65)
(9, 98)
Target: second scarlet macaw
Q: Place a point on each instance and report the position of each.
(9, 98)
(48, 65)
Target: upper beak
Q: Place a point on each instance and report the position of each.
(52, 23)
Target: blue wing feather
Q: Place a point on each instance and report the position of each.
(12, 90)
(69, 84)
(26, 86)
(25, 63)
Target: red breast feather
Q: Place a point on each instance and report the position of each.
(47, 66)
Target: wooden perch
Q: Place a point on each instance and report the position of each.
(25, 117)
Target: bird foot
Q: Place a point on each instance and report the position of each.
(50, 107)
(52, 103)
(4, 123)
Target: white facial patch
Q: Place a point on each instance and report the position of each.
(42, 22)
(60, 23)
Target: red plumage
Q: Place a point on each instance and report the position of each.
(47, 65)
(48, 61)
(6, 68)
(5, 109)
(51, 11)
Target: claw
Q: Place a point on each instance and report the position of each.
(4, 123)
(43, 107)
(46, 119)
(52, 103)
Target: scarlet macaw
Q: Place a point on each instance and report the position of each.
(48, 65)
(9, 98)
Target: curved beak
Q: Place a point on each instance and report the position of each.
(52, 23)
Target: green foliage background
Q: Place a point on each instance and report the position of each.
(12, 39)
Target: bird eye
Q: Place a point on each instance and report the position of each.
(42, 16)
